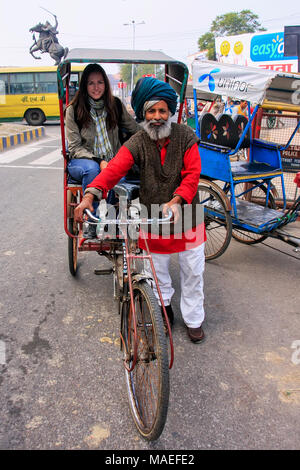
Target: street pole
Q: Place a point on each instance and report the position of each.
(133, 24)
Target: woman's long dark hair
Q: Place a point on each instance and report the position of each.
(81, 104)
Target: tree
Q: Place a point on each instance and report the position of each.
(139, 71)
(229, 24)
(207, 43)
(234, 23)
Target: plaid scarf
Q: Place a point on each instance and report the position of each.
(102, 146)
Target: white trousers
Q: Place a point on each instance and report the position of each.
(191, 264)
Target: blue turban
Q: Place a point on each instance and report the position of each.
(150, 89)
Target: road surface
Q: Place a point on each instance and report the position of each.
(62, 385)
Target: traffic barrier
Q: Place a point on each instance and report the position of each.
(20, 138)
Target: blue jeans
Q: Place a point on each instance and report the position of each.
(85, 170)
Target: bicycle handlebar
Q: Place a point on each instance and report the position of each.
(153, 221)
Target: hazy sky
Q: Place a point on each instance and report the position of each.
(172, 26)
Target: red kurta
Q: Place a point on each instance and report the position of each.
(119, 167)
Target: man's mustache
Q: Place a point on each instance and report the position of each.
(156, 121)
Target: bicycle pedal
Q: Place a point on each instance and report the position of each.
(100, 272)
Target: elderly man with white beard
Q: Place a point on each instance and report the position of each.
(169, 163)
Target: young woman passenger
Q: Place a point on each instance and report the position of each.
(93, 120)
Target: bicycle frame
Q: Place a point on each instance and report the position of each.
(128, 259)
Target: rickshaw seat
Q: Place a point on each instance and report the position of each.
(267, 145)
(247, 170)
(219, 148)
(240, 123)
(223, 131)
(228, 132)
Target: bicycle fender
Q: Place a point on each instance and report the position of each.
(138, 277)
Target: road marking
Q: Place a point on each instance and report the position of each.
(8, 157)
(23, 151)
(49, 158)
(33, 167)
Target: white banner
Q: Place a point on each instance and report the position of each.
(243, 83)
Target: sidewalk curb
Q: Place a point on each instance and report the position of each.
(21, 138)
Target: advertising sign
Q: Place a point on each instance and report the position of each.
(244, 83)
(264, 50)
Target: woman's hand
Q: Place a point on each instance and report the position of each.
(86, 203)
(103, 165)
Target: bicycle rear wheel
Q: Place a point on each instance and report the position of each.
(148, 382)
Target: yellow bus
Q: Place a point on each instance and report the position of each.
(30, 93)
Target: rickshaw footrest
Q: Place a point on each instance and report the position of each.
(101, 272)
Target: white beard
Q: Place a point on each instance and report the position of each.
(157, 132)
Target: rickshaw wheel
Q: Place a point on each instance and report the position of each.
(258, 196)
(73, 241)
(73, 247)
(217, 220)
(148, 381)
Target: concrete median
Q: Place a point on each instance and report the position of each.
(12, 134)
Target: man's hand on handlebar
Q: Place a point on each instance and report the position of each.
(86, 203)
(173, 205)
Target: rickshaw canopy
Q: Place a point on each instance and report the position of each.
(176, 71)
(253, 84)
(201, 95)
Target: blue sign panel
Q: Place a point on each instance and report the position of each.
(266, 47)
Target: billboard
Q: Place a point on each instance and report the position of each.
(265, 50)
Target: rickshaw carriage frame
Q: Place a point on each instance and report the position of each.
(237, 195)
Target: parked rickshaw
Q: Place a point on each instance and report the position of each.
(238, 195)
(143, 340)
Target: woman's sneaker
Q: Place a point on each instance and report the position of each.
(89, 231)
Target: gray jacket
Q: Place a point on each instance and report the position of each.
(81, 142)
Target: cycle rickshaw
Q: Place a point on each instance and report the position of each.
(143, 339)
(238, 196)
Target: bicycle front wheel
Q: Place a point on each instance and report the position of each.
(218, 223)
(148, 381)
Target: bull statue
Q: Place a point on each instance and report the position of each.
(47, 41)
